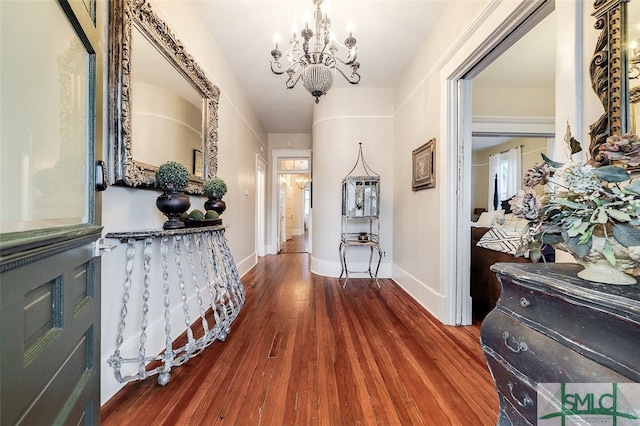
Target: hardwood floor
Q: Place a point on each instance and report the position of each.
(296, 244)
(303, 351)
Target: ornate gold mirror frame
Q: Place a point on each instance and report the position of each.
(123, 16)
(608, 74)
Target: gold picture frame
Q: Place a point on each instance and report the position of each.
(423, 166)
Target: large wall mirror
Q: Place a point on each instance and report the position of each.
(163, 106)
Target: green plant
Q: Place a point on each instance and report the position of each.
(215, 188)
(172, 176)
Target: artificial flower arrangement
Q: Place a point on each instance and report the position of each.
(582, 202)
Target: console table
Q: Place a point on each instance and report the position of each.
(204, 269)
(549, 326)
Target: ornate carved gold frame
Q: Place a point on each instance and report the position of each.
(608, 74)
(128, 171)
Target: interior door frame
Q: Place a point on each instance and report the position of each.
(502, 27)
(276, 155)
(261, 206)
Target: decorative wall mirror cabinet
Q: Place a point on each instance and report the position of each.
(163, 107)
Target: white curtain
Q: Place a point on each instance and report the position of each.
(507, 166)
(494, 165)
(513, 157)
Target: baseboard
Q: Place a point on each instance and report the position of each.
(247, 263)
(431, 300)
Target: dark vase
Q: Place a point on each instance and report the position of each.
(172, 205)
(215, 204)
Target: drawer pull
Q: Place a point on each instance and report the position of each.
(521, 347)
(525, 400)
(524, 302)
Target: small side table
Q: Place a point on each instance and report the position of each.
(205, 272)
(360, 240)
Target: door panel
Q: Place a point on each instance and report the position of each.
(49, 324)
(50, 278)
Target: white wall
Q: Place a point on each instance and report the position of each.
(514, 102)
(417, 240)
(341, 121)
(240, 138)
(290, 141)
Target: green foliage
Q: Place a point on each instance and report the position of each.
(215, 188)
(211, 214)
(550, 162)
(611, 174)
(172, 176)
(196, 214)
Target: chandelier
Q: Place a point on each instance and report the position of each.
(302, 182)
(312, 56)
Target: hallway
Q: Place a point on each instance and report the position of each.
(303, 351)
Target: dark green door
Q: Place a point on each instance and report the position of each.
(50, 130)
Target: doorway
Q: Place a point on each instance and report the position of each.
(293, 212)
(290, 200)
(513, 124)
(475, 54)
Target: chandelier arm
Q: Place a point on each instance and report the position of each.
(279, 69)
(353, 79)
(291, 83)
(350, 60)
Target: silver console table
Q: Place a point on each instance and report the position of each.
(203, 267)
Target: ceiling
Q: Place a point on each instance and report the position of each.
(389, 34)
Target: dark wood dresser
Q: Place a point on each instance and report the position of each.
(550, 326)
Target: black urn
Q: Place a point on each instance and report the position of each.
(172, 205)
(215, 204)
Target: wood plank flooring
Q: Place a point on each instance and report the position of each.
(296, 244)
(303, 351)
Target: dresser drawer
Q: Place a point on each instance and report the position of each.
(609, 339)
(518, 399)
(538, 357)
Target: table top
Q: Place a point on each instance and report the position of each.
(153, 233)
(562, 278)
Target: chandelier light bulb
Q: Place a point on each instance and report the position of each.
(350, 28)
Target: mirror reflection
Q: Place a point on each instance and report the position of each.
(166, 109)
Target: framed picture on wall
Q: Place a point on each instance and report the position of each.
(198, 165)
(423, 166)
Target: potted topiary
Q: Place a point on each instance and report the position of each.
(172, 178)
(214, 189)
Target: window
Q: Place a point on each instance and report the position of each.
(505, 176)
(293, 164)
